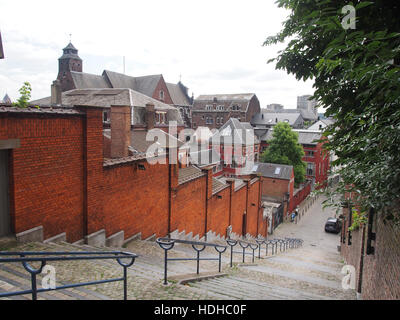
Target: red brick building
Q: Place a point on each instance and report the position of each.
(213, 111)
(316, 158)
(62, 182)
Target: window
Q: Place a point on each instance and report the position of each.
(309, 153)
(161, 95)
(209, 108)
(235, 107)
(161, 117)
(310, 169)
(105, 116)
(209, 120)
(220, 108)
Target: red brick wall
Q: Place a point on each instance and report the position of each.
(47, 173)
(59, 181)
(162, 86)
(299, 197)
(135, 203)
(238, 208)
(190, 207)
(275, 188)
(380, 273)
(218, 212)
(253, 209)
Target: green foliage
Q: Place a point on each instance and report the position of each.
(356, 78)
(25, 92)
(359, 219)
(285, 149)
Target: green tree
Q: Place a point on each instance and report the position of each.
(356, 74)
(25, 91)
(285, 149)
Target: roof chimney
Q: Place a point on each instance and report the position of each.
(56, 92)
(120, 131)
(150, 116)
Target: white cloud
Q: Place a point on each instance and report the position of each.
(216, 46)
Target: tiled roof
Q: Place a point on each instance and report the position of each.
(272, 170)
(42, 110)
(230, 97)
(240, 133)
(189, 173)
(305, 136)
(218, 185)
(177, 95)
(272, 118)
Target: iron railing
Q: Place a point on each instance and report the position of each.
(44, 257)
(244, 245)
(167, 244)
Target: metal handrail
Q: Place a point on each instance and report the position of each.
(168, 243)
(44, 257)
(244, 245)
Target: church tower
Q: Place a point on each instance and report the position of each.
(68, 62)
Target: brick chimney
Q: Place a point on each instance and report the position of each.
(120, 131)
(150, 116)
(56, 92)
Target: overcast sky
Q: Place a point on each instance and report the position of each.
(214, 46)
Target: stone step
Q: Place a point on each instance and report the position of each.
(19, 281)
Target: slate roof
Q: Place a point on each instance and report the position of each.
(204, 157)
(270, 119)
(86, 80)
(189, 173)
(306, 114)
(108, 97)
(229, 97)
(145, 84)
(218, 185)
(226, 100)
(33, 110)
(178, 97)
(272, 170)
(240, 133)
(305, 136)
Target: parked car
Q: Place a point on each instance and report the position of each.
(333, 225)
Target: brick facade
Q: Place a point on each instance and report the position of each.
(377, 273)
(60, 180)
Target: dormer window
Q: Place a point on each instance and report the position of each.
(220, 108)
(209, 108)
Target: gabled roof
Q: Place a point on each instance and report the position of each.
(86, 80)
(204, 157)
(239, 132)
(145, 84)
(178, 96)
(272, 170)
(6, 99)
(189, 173)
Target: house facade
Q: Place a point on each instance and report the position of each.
(213, 111)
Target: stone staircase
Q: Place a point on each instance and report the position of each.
(293, 274)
